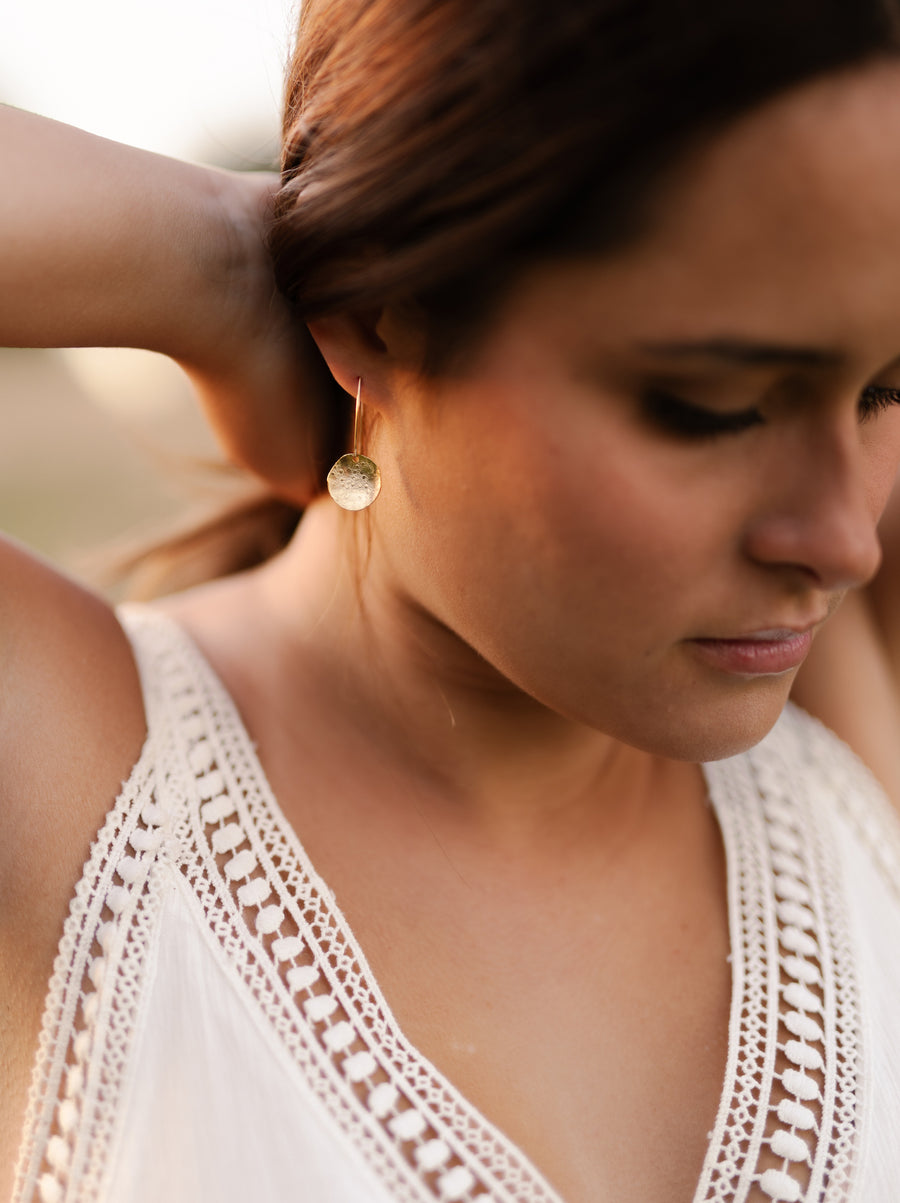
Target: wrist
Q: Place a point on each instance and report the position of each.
(230, 307)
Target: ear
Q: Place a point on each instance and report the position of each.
(377, 346)
(351, 347)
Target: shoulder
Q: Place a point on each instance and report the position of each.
(848, 682)
(71, 727)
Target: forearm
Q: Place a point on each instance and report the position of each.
(105, 245)
(102, 244)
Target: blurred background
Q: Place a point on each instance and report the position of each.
(101, 448)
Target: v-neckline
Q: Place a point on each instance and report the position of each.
(793, 983)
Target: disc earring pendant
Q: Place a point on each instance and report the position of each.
(355, 481)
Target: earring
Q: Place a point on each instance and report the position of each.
(355, 481)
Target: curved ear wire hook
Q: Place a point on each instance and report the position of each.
(355, 481)
(357, 417)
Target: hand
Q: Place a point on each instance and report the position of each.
(257, 372)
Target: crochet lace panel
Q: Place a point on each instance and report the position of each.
(788, 1122)
(92, 1000)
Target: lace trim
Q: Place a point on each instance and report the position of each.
(788, 1121)
(89, 1017)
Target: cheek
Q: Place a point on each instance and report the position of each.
(526, 531)
(883, 439)
(626, 542)
(575, 558)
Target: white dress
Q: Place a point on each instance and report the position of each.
(213, 1032)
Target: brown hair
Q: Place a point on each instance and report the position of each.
(432, 148)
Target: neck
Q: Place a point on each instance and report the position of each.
(418, 700)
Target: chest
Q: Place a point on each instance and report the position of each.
(599, 1052)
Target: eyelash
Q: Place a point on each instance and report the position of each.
(874, 400)
(683, 418)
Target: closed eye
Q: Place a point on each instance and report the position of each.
(676, 416)
(686, 420)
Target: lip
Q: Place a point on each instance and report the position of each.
(759, 653)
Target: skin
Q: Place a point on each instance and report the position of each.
(492, 683)
(155, 253)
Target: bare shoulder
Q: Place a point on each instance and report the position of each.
(71, 725)
(850, 682)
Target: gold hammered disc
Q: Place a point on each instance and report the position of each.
(354, 482)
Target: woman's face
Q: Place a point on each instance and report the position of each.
(663, 468)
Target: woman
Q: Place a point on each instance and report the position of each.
(615, 288)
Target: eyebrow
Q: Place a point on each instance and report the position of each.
(742, 353)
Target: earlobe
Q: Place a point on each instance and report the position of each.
(353, 350)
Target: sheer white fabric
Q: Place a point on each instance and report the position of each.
(212, 1029)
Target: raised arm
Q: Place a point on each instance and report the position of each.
(105, 245)
(101, 244)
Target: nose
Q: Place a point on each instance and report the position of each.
(821, 517)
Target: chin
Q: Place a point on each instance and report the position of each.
(712, 729)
